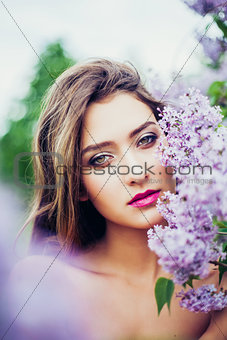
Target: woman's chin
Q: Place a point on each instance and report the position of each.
(153, 216)
(149, 221)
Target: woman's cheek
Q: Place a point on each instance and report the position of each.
(95, 183)
(91, 184)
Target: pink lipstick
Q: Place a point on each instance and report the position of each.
(146, 198)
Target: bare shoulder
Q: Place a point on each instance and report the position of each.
(29, 262)
(44, 280)
(41, 290)
(36, 268)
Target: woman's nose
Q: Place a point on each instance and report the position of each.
(133, 171)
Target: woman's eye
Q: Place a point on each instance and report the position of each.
(147, 139)
(100, 160)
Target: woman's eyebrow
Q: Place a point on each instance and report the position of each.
(109, 143)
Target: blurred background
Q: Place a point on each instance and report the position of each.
(176, 42)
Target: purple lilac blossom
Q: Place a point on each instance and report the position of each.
(212, 47)
(197, 144)
(195, 138)
(204, 7)
(188, 130)
(203, 299)
(160, 89)
(208, 76)
(157, 87)
(190, 228)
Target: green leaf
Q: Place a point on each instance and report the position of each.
(218, 95)
(221, 24)
(224, 247)
(222, 229)
(215, 220)
(220, 224)
(169, 292)
(222, 270)
(189, 282)
(164, 289)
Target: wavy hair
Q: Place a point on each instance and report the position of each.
(57, 214)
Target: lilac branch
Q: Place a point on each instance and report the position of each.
(217, 263)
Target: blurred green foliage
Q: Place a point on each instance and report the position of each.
(52, 62)
(218, 95)
(221, 24)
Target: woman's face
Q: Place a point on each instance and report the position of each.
(113, 120)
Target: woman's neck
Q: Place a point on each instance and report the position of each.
(123, 253)
(126, 249)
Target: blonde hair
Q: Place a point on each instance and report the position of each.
(58, 213)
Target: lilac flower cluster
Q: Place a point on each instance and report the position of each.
(204, 299)
(211, 194)
(188, 129)
(157, 86)
(195, 141)
(204, 7)
(186, 245)
(213, 48)
(194, 137)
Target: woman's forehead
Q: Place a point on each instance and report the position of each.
(119, 114)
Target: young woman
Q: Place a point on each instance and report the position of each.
(99, 181)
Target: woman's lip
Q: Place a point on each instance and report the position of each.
(146, 200)
(142, 195)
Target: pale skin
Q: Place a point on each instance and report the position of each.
(114, 283)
